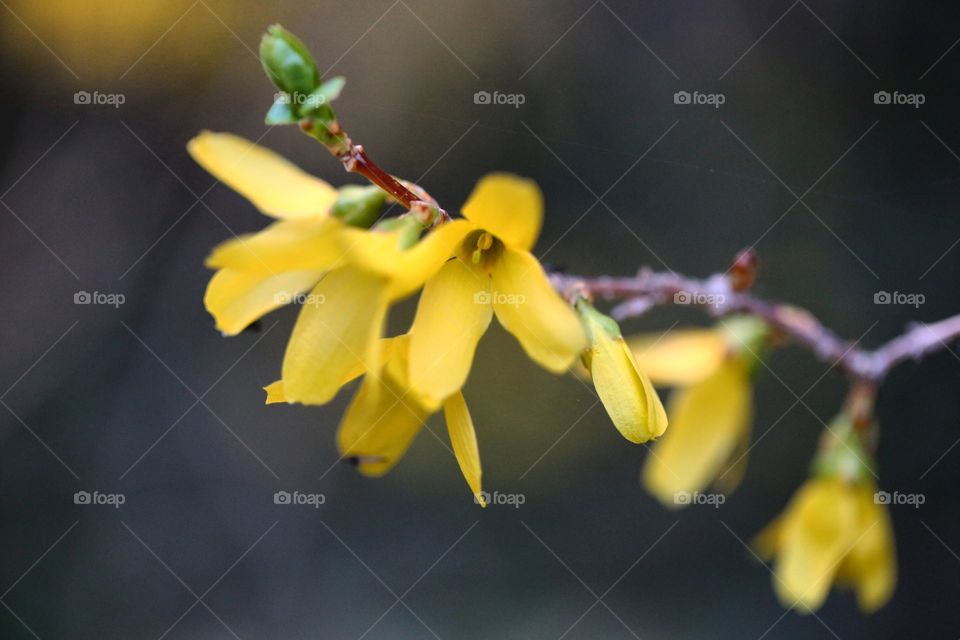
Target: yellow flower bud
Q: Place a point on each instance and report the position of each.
(624, 389)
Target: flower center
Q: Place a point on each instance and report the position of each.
(484, 242)
(481, 248)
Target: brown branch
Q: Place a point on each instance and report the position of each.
(356, 160)
(724, 294)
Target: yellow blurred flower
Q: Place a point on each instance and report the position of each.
(836, 528)
(710, 413)
(492, 272)
(624, 388)
(832, 532)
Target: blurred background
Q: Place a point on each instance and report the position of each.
(146, 400)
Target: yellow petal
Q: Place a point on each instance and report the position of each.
(707, 421)
(453, 313)
(463, 437)
(396, 369)
(626, 392)
(731, 474)
(509, 207)
(528, 307)
(766, 544)
(818, 530)
(275, 392)
(273, 184)
(336, 333)
(235, 298)
(287, 245)
(681, 357)
(407, 269)
(379, 426)
(871, 566)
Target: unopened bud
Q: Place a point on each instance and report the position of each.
(359, 206)
(287, 62)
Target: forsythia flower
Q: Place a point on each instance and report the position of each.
(832, 531)
(352, 274)
(623, 387)
(492, 272)
(710, 413)
(473, 268)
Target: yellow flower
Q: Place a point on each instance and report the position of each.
(833, 531)
(710, 413)
(492, 272)
(352, 274)
(386, 414)
(623, 387)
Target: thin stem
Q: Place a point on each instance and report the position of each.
(355, 160)
(721, 295)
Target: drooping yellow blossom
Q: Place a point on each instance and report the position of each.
(710, 412)
(834, 531)
(386, 414)
(492, 273)
(349, 275)
(836, 528)
(624, 388)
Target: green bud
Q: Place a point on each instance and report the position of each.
(359, 206)
(287, 62)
